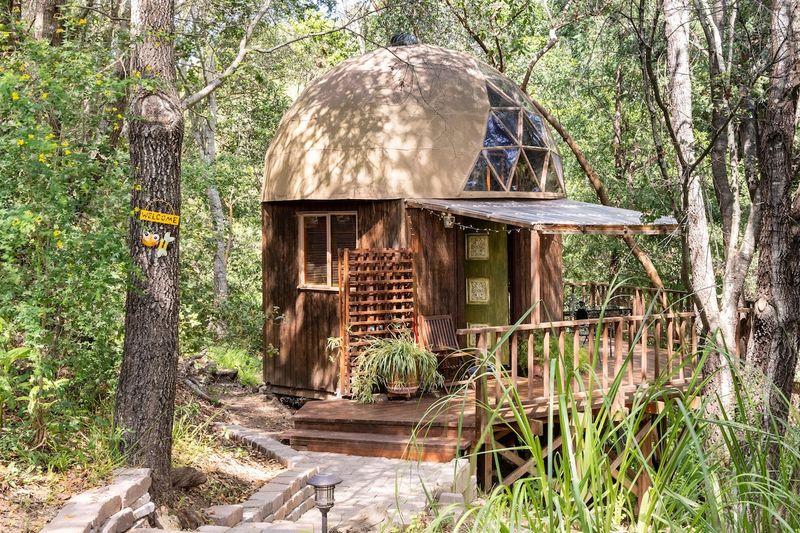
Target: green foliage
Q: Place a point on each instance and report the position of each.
(396, 360)
(248, 364)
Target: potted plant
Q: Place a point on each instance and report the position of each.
(397, 363)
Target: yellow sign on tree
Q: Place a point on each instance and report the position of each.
(158, 217)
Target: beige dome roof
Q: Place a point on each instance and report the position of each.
(411, 122)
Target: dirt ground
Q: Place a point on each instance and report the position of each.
(254, 410)
(28, 499)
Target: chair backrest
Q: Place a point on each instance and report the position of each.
(438, 333)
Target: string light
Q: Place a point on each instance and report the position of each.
(451, 222)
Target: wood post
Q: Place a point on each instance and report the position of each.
(536, 288)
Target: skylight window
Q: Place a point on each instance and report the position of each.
(518, 154)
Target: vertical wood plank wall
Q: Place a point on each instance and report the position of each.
(550, 274)
(311, 316)
(438, 265)
(551, 268)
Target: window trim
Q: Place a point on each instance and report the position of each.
(301, 216)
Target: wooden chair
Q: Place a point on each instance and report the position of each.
(438, 334)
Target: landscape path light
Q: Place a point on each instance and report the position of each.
(324, 486)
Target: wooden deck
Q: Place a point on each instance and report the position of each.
(426, 428)
(433, 429)
(616, 356)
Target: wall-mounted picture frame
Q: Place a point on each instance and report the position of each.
(478, 291)
(477, 246)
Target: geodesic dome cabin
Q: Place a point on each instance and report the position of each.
(421, 157)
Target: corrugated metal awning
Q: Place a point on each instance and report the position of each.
(551, 216)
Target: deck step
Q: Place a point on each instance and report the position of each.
(433, 449)
(384, 427)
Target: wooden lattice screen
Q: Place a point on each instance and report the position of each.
(376, 298)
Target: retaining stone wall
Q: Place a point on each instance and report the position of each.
(121, 506)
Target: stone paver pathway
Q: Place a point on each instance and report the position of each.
(375, 492)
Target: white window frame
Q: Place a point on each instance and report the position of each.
(302, 255)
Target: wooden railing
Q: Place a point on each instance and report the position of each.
(586, 356)
(638, 299)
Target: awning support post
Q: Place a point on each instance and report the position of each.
(536, 287)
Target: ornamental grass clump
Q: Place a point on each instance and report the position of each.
(707, 471)
(395, 361)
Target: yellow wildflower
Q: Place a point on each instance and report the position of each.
(67, 151)
(56, 233)
(30, 136)
(49, 136)
(45, 95)
(42, 158)
(59, 244)
(20, 142)
(15, 222)
(25, 77)
(137, 187)
(81, 22)
(114, 109)
(60, 30)
(119, 116)
(98, 82)
(38, 219)
(15, 96)
(28, 213)
(64, 143)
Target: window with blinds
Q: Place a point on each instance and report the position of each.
(323, 236)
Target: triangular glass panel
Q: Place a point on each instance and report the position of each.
(496, 134)
(496, 98)
(533, 130)
(477, 178)
(510, 119)
(509, 89)
(554, 174)
(524, 178)
(537, 159)
(482, 178)
(503, 163)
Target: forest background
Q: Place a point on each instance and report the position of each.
(65, 180)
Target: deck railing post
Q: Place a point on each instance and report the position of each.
(484, 460)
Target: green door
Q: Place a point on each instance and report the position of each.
(486, 273)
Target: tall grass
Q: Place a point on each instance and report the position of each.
(697, 483)
(234, 357)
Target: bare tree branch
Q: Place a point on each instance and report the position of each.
(189, 101)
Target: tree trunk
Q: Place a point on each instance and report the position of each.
(206, 137)
(146, 390)
(776, 324)
(42, 16)
(696, 228)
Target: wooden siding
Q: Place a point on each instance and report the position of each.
(310, 316)
(550, 275)
(438, 264)
(551, 271)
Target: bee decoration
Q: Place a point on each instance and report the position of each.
(150, 239)
(162, 246)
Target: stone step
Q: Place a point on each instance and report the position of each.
(432, 449)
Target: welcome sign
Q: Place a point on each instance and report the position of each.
(158, 217)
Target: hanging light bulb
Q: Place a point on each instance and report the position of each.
(448, 220)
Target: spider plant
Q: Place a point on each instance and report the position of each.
(395, 361)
